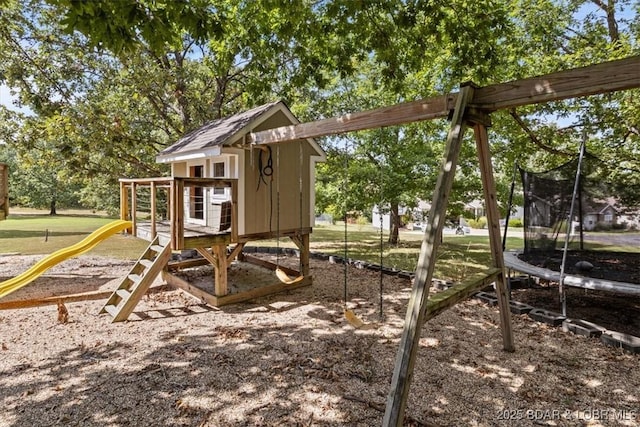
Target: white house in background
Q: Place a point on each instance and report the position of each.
(385, 218)
(602, 214)
(475, 208)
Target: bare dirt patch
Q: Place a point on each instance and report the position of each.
(292, 359)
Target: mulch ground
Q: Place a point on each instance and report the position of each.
(613, 311)
(616, 266)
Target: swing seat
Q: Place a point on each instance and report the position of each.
(353, 319)
(356, 322)
(284, 277)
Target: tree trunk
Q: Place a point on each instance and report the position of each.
(394, 224)
(52, 207)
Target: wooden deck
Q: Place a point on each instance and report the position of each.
(177, 231)
(139, 197)
(195, 236)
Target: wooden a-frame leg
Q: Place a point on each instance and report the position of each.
(493, 223)
(405, 359)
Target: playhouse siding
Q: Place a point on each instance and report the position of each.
(275, 206)
(265, 207)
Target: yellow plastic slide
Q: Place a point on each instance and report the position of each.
(58, 256)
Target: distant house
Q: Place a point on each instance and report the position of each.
(475, 209)
(604, 213)
(385, 219)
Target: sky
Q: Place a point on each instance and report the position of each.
(7, 99)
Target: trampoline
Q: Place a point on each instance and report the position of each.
(513, 262)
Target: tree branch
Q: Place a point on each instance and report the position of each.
(532, 135)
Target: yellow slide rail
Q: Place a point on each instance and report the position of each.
(60, 255)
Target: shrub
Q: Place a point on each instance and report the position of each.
(602, 226)
(477, 223)
(516, 222)
(362, 220)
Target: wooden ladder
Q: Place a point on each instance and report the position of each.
(125, 298)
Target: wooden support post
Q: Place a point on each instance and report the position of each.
(220, 270)
(305, 251)
(124, 202)
(177, 222)
(493, 224)
(172, 215)
(302, 242)
(405, 359)
(169, 198)
(134, 208)
(217, 258)
(153, 210)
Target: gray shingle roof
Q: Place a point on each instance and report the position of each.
(216, 132)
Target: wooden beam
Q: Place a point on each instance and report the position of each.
(234, 253)
(206, 255)
(124, 202)
(153, 210)
(424, 109)
(268, 264)
(187, 263)
(54, 299)
(134, 208)
(305, 252)
(493, 225)
(409, 343)
(262, 291)
(218, 301)
(448, 298)
(179, 283)
(606, 77)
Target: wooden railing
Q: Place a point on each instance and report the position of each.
(175, 204)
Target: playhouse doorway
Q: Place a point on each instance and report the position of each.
(196, 195)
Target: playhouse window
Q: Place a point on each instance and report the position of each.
(608, 217)
(218, 172)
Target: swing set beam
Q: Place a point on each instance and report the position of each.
(470, 107)
(606, 77)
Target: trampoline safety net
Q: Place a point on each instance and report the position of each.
(601, 211)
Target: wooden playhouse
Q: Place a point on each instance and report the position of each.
(223, 193)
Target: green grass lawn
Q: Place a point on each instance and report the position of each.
(34, 233)
(458, 256)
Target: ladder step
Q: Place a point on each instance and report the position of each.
(111, 309)
(156, 248)
(146, 262)
(135, 278)
(123, 293)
